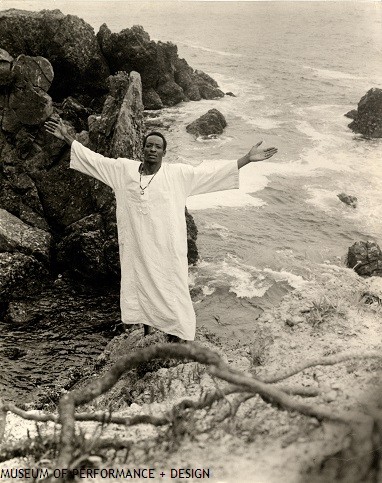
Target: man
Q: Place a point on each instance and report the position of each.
(152, 235)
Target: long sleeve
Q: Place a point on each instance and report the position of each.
(93, 164)
(214, 176)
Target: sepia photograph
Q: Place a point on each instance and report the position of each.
(191, 241)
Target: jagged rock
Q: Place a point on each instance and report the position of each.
(162, 72)
(348, 199)
(213, 122)
(5, 67)
(36, 71)
(17, 236)
(83, 249)
(20, 275)
(186, 78)
(368, 120)
(118, 131)
(66, 41)
(27, 101)
(31, 106)
(59, 190)
(151, 99)
(365, 258)
(352, 114)
(170, 93)
(74, 112)
(230, 94)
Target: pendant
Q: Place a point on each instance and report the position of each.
(142, 192)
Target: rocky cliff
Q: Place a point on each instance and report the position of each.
(82, 61)
(53, 219)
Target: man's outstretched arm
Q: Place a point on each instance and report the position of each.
(83, 159)
(256, 154)
(58, 129)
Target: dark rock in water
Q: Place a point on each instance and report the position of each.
(161, 70)
(230, 94)
(19, 313)
(151, 99)
(187, 79)
(348, 199)
(213, 122)
(365, 258)
(20, 275)
(369, 115)
(16, 236)
(171, 93)
(66, 41)
(352, 114)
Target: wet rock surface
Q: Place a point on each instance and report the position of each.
(348, 200)
(368, 117)
(166, 79)
(365, 258)
(210, 124)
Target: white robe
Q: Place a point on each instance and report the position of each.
(152, 234)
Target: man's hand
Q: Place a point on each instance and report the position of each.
(256, 154)
(57, 128)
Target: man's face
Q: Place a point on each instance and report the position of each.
(153, 150)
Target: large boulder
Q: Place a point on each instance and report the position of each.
(166, 79)
(67, 41)
(25, 99)
(118, 130)
(28, 98)
(365, 258)
(211, 123)
(20, 274)
(368, 120)
(16, 236)
(84, 250)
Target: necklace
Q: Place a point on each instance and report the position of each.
(140, 180)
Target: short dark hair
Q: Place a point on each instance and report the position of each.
(155, 133)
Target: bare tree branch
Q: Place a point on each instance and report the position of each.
(324, 361)
(276, 396)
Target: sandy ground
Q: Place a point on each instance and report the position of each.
(260, 442)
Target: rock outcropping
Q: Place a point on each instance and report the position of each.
(166, 79)
(210, 124)
(348, 200)
(53, 219)
(83, 61)
(368, 117)
(365, 258)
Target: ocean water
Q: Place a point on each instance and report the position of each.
(296, 68)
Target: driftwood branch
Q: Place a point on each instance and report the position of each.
(279, 395)
(324, 361)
